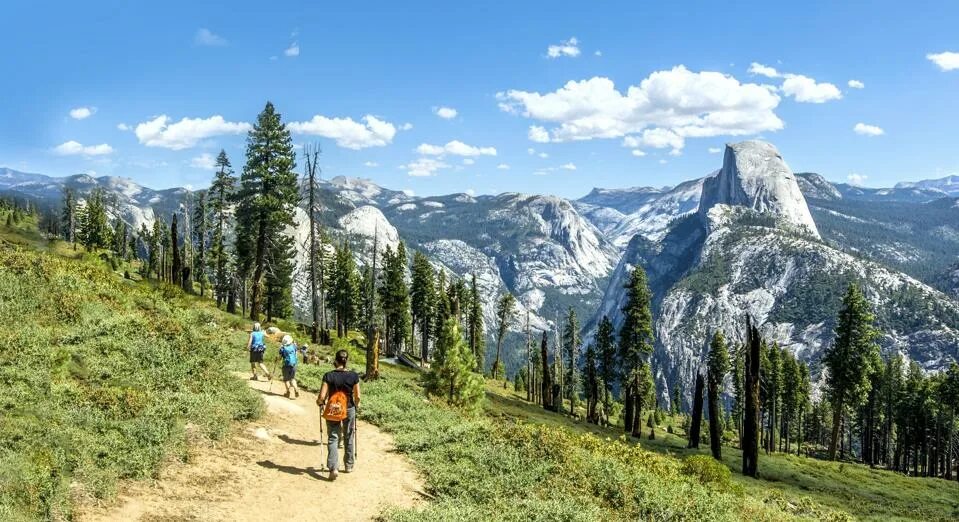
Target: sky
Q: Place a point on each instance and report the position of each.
(485, 97)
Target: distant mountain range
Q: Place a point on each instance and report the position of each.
(751, 236)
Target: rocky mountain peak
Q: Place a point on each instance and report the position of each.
(755, 176)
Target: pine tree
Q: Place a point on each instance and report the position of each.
(314, 207)
(772, 380)
(477, 341)
(591, 383)
(504, 315)
(606, 352)
(266, 199)
(635, 344)
(739, 392)
(718, 364)
(201, 237)
(95, 232)
(395, 300)
(279, 277)
(69, 216)
(697, 421)
(220, 194)
(345, 290)
(423, 301)
(547, 379)
(849, 359)
(751, 412)
(452, 374)
(176, 268)
(571, 342)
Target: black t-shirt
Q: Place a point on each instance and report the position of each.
(343, 380)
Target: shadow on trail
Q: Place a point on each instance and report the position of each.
(293, 470)
(299, 442)
(268, 392)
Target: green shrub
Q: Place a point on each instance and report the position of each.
(709, 471)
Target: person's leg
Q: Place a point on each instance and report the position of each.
(265, 371)
(332, 449)
(253, 371)
(349, 457)
(296, 390)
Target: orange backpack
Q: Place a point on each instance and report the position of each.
(336, 405)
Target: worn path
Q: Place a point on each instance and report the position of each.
(273, 470)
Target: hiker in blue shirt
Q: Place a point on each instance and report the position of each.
(288, 354)
(257, 347)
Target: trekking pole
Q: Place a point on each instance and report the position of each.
(272, 371)
(323, 443)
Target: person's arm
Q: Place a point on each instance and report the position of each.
(249, 342)
(356, 395)
(321, 398)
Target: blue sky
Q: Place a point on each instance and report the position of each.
(633, 94)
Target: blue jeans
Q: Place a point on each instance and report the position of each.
(349, 444)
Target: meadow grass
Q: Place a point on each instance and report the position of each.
(103, 379)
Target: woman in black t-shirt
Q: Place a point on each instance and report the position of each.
(347, 381)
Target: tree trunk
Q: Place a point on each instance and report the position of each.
(715, 437)
(836, 434)
(372, 355)
(751, 414)
(629, 409)
(256, 296)
(697, 421)
(546, 379)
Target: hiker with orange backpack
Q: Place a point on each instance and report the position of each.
(338, 399)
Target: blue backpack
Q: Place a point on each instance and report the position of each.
(259, 342)
(289, 355)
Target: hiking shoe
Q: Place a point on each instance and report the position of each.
(349, 469)
(333, 474)
(287, 394)
(296, 393)
(253, 378)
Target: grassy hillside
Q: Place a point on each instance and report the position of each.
(102, 378)
(105, 378)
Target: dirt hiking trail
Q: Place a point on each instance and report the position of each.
(273, 470)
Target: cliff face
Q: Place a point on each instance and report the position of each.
(752, 248)
(755, 176)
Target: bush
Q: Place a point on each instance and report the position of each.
(709, 471)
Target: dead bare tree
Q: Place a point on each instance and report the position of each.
(317, 290)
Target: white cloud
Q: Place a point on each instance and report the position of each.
(292, 51)
(206, 37)
(543, 155)
(638, 153)
(73, 148)
(715, 150)
(568, 166)
(82, 113)
(568, 48)
(763, 70)
(856, 179)
(421, 167)
(204, 161)
(456, 148)
(406, 126)
(370, 164)
(347, 133)
(598, 53)
(855, 84)
(807, 90)
(662, 162)
(868, 130)
(658, 138)
(124, 127)
(503, 166)
(186, 133)
(447, 113)
(468, 161)
(531, 151)
(946, 61)
(674, 104)
(802, 88)
(538, 134)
